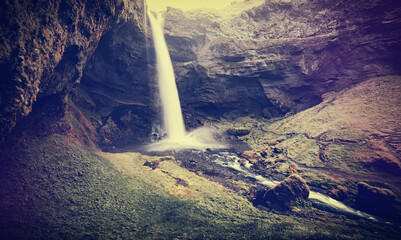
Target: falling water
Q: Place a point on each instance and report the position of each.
(177, 137)
(172, 116)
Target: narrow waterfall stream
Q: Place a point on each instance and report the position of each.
(177, 137)
(172, 115)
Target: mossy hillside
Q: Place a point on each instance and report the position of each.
(353, 135)
(53, 188)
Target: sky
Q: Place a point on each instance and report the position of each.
(159, 5)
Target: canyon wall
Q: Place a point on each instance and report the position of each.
(266, 58)
(117, 88)
(94, 60)
(280, 56)
(44, 48)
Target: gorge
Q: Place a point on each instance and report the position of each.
(177, 138)
(174, 132)
(305, 94)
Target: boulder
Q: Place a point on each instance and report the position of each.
(339, 193)
(375, 200)
(250, 156)
(238, 132)
(291, 188)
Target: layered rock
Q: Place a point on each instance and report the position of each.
(45, 46)
(117, 87)
(280, 56)
(257, 57)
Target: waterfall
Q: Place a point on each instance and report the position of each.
(177, 137)
(172, 115)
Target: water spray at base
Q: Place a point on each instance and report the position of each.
(177, 137)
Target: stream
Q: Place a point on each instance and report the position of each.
(228, 164)
(232, 161)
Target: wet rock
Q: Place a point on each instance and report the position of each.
(250, 156)
(238, 132)
(376, 200)
(291, 188)
(339, 193)
(152, 164)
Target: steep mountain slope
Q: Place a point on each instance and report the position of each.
(351, 137)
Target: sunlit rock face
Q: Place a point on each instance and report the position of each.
(283, 55)
(44, 48)
(358, 126)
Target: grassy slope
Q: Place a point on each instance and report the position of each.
(53, 188)
(357, 132)
(352, 136)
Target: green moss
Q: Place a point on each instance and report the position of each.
(54, 188)
(322, 182)
(301, 203)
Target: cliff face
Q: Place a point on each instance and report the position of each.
(44, 48)
(283, 55)
(116, 87)
(259, 57)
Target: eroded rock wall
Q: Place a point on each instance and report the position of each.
(44, 48)
(281, 56)
(258, 57)
(117, 88)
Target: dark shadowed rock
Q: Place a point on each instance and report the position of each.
(291, 188)
(117, 83)
(238, 132)
(44, 48)
(376, 200)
